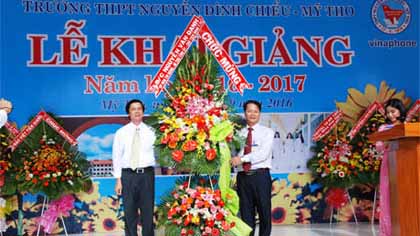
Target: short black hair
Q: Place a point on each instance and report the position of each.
(127, 106)
(257, 103)
(396, 103)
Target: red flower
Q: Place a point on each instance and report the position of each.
(210, 223)
(229, 138)
(165, 139)
(1, 180)
(187, 220)
(219, 216)
(177, 155)
(215, 232)
(190, 145)
(163, 127)
(215, 111)
(210, 154)
(46, 183)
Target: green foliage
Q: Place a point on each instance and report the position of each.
(194, 103)
(341, 162)
(46, 163)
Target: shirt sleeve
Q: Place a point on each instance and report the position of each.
(3, 118)
(117, 154)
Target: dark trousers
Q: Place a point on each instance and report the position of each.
(255, 195)
(138, 192)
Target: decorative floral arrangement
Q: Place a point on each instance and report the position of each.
(364, 160)
(52, 170)
(340, 162)
(46, 163)
(333, 163)
(197, 210)
(369, 159)
(194, 134)
(194, 104)
(5, 156)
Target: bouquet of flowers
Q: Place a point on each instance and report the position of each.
(6, 160)
(195, 211)
(195, 134)
(340, 162)
(333, 163)
(369, 159)
(194, 104)
(52, 170)
(46, 163)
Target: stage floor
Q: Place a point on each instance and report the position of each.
(340, 229)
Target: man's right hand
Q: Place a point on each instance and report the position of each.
(236, 161)
(118, 187)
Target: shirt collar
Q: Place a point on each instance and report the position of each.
(253, 127)
(140, 126)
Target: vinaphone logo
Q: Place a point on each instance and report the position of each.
(391, 16)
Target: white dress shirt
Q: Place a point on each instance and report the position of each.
(3, 117)
(262, 147)
(121, 148)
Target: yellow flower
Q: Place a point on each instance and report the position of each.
(278, 185)
(357, 102)
(106, 220)
(168, 110)
(201, 137)
(195, 220)
(90, 196)
(110, 203)
(299, 178)
(284, 207)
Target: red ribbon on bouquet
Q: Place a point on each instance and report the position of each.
(414, 110)
(197, 27)
(41, 116)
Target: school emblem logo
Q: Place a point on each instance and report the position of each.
(391, 16)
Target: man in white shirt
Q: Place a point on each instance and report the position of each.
(254, 164)
(5, 108)
(133, 161)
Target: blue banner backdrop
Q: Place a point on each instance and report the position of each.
(88, 57)
(82, 60)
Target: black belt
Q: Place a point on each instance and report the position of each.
(255, 171)
(139, 170)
